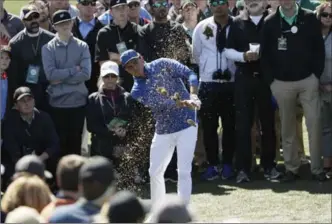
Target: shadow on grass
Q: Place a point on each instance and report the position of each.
(226, 187)
(305, 183)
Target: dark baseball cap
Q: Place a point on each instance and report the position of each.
(33, 165)
(125, 207)
(22, 92)
(61, 16)
(127, 56)
(28, 11)
(184, 3)
(97, 169)
(171, 210)
(117, 2)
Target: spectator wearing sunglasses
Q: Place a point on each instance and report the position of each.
(107, 17)
(134, 13)
(86, 27)
(116, 37)
(164, 38)
(110, 113)
(26, 64)
(324, 14)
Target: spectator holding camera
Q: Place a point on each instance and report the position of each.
(216, 87)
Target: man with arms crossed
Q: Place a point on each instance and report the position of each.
(158, 85)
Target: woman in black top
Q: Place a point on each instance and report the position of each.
(110, 112)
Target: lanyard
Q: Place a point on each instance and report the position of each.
(35, 48)
(113, 105)
(118, 31)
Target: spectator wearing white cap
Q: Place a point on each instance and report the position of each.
(109, 115)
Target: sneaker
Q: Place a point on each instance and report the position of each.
(211, 173)
(227, 172)
(290, 177)
(272, 174)
(328, 172)
(304, 160)
(321, 177)
(242, 177)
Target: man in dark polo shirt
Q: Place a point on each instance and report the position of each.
(163, 38)
(117, 37)
(26, 64)
(27, 130)
(86, 27)
(292, 57)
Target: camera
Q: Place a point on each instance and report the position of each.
(219, 75)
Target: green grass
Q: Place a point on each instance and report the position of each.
(14, 6)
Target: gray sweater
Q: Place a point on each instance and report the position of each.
(60, 63)
(327, 74)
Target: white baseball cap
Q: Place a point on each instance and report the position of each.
(109, 67)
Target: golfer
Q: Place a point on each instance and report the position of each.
(159, 86)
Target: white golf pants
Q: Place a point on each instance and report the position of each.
(162, 149)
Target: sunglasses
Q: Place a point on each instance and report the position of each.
(110, 76)
(218, 3)
(32, 17)
(325, 15)
(133, 5)
(86, 3)
(159, 5)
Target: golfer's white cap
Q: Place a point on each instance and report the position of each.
(109, 67)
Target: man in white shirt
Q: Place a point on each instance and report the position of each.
(216, 87)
